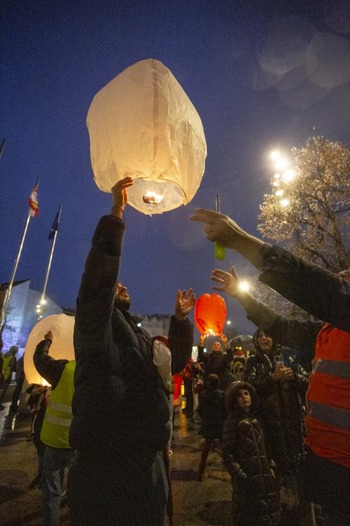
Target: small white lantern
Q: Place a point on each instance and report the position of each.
(62, 328)
(142, 124)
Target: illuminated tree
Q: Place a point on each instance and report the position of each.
(309, 207)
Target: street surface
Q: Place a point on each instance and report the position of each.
(194, 503)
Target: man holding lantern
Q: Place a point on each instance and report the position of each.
(217, 362)
(121, 407)
(327, 297)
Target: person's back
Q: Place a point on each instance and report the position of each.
(54, 433)
(255, 492)
(211, 409)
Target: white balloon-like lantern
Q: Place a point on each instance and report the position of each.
(142, 124)
(62, 328)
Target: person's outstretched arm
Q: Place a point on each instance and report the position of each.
(314, 289)
(97, 288)
(48, 367)
(181, 330)
(293, 333)
(224, 230)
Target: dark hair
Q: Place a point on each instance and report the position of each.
(233, 392)
(212, 381)
(256, 338)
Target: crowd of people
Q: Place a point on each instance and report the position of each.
(280, 416)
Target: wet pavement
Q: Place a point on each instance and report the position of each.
(195, 503)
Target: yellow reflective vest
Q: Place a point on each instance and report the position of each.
(58, 416)
(6, 365)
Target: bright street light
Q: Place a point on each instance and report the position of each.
(284, 202)
(289, 175)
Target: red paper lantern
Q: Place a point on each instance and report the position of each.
(210, 314)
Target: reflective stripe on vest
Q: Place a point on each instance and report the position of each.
(58, 416)
(330, 415)
(340, 369)
(57, 420)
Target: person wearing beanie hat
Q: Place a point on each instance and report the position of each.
(255, 488)
(9, 363)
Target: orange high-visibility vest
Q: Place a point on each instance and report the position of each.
(328, 397)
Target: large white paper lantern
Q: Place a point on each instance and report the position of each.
(142, 124)
(62, 328)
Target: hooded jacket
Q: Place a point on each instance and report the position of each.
(211, 408)
(281, 409)
(246, 460)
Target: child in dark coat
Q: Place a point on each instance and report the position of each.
(255, 491)
(211, 408)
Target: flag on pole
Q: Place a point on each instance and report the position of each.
(54, 226)
(33, 201)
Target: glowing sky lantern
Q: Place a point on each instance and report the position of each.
(210, 314)
(62, 327)
(142, 124)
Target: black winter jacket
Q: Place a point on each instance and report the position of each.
(216, 362)
(246, 460)
(281, 406)
(119, 402)
(211, 408)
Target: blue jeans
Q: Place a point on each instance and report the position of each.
(54, 462)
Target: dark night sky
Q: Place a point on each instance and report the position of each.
(260, 74)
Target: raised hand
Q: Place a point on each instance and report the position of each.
(48, 336)
(283, 373)
(120, 195)
(185, 300)
(220, 228)
(227, 281)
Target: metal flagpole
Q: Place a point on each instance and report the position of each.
(33, 210)
(14, 270)
(39, 307)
